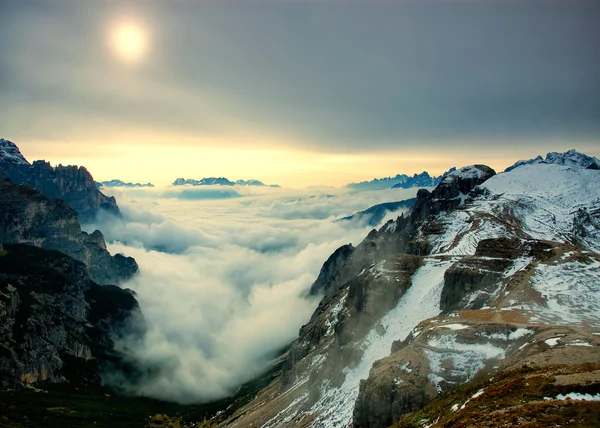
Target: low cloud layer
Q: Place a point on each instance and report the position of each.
(222, 283)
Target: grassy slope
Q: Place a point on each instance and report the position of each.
(515, 398)
(61, 408)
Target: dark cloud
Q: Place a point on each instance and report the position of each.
(335, 75)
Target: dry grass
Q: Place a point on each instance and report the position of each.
(516, 398)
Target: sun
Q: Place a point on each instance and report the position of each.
(129, 41)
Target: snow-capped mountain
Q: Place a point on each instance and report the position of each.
(219, 181)
(487, 273)
(400, 181)
(10, 153)
(120, 183)
(571, 158)
(379, 183)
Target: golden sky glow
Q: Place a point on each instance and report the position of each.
(161, 159)
(152, 91)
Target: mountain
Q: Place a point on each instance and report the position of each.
(402, 181)
(119, 183)
(72, 184)
(219, 181)
(29, 217)
(207, 181)
(569, 158)
(482, 298)
(379, 183)
(374, 215)
(58, 326)
(421, 180)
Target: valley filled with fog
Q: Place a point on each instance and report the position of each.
(224, 275)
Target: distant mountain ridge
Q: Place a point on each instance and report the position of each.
(219, 181)
(120, 183)
(400, 181)
(374, 215)
(571, 158)
(72, 184)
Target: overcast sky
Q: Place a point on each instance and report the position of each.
(299, 92)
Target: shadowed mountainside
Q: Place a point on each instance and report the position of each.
(72, 184)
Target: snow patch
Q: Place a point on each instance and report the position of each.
(571, 291)
(579, 342)
(513, 335)
(332, 319)
(453, 359)
(455, 326)
(575, 396)
(406, 367)
(466, 172)
(421, 301)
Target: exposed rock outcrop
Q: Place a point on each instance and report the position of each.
(29, 217)
(57, 325)
(453, 353)
(374, 215)
(72, 184)
(485, 273)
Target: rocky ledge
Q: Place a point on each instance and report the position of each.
(58, 326)
(29, 217)
(72, 184)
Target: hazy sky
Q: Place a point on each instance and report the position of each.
(297, 92)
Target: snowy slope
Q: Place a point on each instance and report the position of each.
(10, 153)
(542, 198)
(571, 158)
(537, 201)
(421, 301)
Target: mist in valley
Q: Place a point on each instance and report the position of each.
(224, 277)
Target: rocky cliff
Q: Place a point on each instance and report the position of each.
(486, 272)
(72, 184)
(58, 326)
(29, 217)
(374, 215)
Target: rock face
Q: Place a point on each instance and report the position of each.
(484, 273)
(29, 217)
(58, 325)
(72, 184)
(374, 215)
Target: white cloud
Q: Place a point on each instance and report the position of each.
(227, 288)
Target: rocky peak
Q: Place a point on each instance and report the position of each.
(331, 268)
(29, 217)
(462, 180)
(571, 158)
(10, 153)
(72, 184)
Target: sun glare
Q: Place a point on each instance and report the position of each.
(129, 41)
